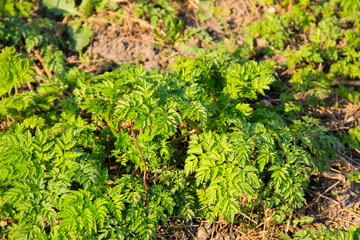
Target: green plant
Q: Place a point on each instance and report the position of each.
(348, 93)
(15, 8)
(319, 43)
(161, 13)
(18, 104)
(37, 173)
(235, 157)
(323, 233)
(15, 70)
(37, 36)
(114, 155)
(353, 137)
(78, 29)
(58, 7)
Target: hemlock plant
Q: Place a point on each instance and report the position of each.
(196, 142)
(320, 43)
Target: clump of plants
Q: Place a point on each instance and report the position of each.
(113, 155)
(191, 143)
(319, 41)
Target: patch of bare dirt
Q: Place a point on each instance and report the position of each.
(335, 204)
(133, 41)
(127, 49)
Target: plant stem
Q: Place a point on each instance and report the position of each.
(193, 126)
(144, 175)
(182, 137)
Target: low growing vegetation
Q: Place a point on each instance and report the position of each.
(218, 135)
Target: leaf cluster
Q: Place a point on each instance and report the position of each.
(319, 41)
(163, 14)
(36, 35)
(209, 150)
(15, 8)
(323, 233)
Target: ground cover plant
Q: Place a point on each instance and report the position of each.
(220, 135)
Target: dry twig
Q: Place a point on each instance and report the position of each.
(41, 60)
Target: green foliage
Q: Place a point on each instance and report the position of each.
(348, 93)
(15, 70)
(225, 168)
(60, 7)
(238, 85)
(78, 30)
(320, 42)
(69, 7)
(272, 30)
(37, 173)
(15, 8)
(323, 233)
(353, 137)
(161, 11)
(235, 155)
(40, 34)
(197, 141)
(206, 11)
(285, 3)
(17, 104)
(81, 36)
